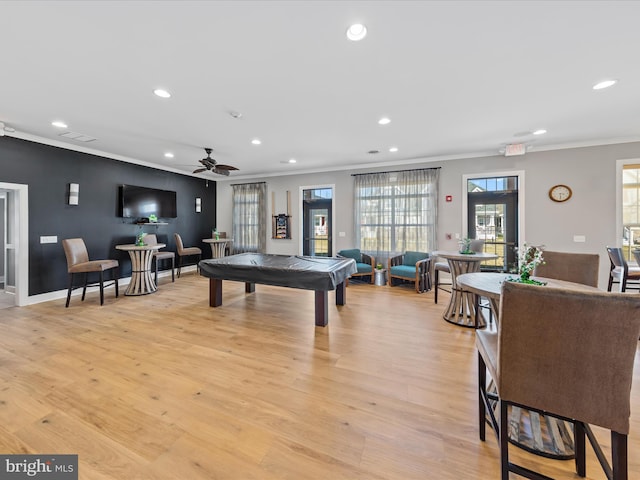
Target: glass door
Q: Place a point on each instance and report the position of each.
(492, 210)
(317, 222)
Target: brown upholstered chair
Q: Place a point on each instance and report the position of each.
(411, 267)
(158, 256)
(443, 267)
(621, 273)
(571, 267)
(561, 352)
(78, 262)
(186, 252)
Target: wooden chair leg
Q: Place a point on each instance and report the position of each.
(179, 264)
(504, 440)
(619, 459)
(101, 287)
(69, 291)
(173, 278)
(84, 288)
(482, 389)
(435, 286)
(579, 448)
(116, 273)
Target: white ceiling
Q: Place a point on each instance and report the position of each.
(455, 78)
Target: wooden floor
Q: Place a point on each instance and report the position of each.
(164, 387)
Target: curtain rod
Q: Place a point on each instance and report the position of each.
(248, 183)
(396, 171)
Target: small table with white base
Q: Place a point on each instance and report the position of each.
(460, 310)
(218, 246)
(141, 279)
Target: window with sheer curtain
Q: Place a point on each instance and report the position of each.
(396, 212)
(249, 217)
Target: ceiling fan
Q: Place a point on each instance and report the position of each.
(213, 166)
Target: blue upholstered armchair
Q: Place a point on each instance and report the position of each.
(411, 267)
(365, 263)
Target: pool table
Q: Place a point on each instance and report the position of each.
(320, 274)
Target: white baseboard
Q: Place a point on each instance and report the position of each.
(57, 295)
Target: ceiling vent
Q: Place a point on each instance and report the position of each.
(79, 137)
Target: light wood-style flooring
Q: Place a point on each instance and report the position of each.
(164, 387)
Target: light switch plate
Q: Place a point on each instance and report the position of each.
(49, 239)
(579, 238)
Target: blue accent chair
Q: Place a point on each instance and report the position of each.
(411, 267)
(365, 263)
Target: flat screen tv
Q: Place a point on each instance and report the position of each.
(141, 202)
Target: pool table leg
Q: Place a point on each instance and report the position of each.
(322, 316)
(341, 293)
(249, 287)
(215, 292)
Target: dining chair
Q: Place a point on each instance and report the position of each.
(628, 277)
(158, 256)
(186, 252)
(555, 353)
(572, 267)
(78, 262)
(476, 245)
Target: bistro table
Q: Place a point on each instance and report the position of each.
(141, 279)
(218, 246)
(460, 310)
(543, 435)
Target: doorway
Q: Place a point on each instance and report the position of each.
(14, 246)
(317, 221)
(493, 215)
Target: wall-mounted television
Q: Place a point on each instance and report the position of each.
(141, 202)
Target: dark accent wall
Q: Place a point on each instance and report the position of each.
(48, 171)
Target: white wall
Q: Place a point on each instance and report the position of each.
(589, 171)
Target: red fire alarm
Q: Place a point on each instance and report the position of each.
(449, 198)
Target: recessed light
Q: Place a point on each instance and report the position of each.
(235, 114)
(161, 93)
(292, 160)
(393, 149)
(604, 84)
(168, 155)
(356, 32)
(59, 124)
(256, 141)
(384, 121)
(541, 131)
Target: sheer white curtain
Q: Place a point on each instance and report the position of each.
(396, 212)
(249, 217)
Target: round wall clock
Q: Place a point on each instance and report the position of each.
(560, 193)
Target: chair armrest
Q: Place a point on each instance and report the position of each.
(368, 259)
(397, 260)
(423, 266)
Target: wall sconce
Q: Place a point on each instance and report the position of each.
(74, 193)
(198, 205)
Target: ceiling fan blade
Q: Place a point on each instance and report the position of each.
(221, 172)
(198, 170)
(225, 167)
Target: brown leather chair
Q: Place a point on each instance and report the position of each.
(186, 252)
(571, 267)
(620, 272)
(158, 256)
(438, 267)
(561, 352)
(78, 262)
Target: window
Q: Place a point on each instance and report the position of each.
(630, 210)
(249, 224)
(396, 212)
